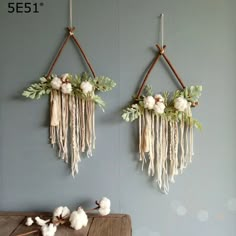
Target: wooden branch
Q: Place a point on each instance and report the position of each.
(149, 71)
(172, 68)
(84, 55)
(70, 33)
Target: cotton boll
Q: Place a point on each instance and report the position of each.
(40, 221)
(78, 219)
(61, 212)
(104, 211)
(84, 217)
(180, 103)
(149, 102)
(56, 83)
(86, 87)
(159, 98)
(65, 212)
(159, 108)
(29, 221)
(75, 221)
(64, 77)
(105, 203)
(57, 212)
(48, 230)
(104, 206)
(66, 88)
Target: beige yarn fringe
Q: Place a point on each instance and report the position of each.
(72, 127)
(167, 144)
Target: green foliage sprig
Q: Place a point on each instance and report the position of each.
(171, 113)
(100, 83)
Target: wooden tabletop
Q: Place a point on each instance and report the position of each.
(13, 223)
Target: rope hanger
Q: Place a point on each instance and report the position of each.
(70, 35)
(161, 53)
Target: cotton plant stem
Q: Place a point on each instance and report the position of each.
(93, 209)
(28, 233)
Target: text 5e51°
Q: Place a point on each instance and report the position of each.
(23, 7)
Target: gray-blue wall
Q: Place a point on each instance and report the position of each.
(119, 37)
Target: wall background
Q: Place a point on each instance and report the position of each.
(119, 37)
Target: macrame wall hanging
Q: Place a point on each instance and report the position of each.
(72, 105)
(165, 125)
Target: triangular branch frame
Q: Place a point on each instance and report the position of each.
(70, 36)
(160, 54)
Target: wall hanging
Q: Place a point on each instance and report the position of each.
(165, 125)
(72, 105)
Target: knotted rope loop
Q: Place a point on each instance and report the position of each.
(161, 49)
(71, 30)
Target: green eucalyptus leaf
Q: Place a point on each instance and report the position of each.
(103, 83)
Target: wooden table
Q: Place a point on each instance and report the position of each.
(12, 224)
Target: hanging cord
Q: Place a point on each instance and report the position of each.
(71, 17)
(71, 30)
(162, 30)
(160, 53)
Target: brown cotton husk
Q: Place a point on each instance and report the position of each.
(72, 127)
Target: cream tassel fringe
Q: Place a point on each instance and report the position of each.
(72, 123)
(168, 144)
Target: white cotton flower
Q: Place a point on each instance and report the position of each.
(105, 203)
(78, 219)
(61, 212)
(29, 221)
(64, 77)
(104, 206)
(104, 211)
(149, 102)
(56, 83)
(66, 88)
(159, 107)
(86, 87)
(180, 103)
(159, 98)
(40, 221)
(48, 230)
